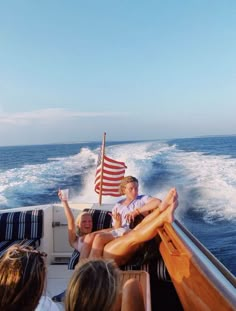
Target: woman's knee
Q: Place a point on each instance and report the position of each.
(100, 239)
(89, 238)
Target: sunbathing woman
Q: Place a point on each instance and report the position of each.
(80, 233)
(77, 229)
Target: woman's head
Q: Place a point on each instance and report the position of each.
(84, 223)
(129, 186)
(22, 278)
(94, 286)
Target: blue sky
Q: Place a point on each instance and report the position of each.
(70, 70)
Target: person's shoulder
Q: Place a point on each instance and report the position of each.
(143, 196)
(143, 199)
(118, 203)
(46, 303)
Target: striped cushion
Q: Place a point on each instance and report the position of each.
(4, 245)
(21, 225)
(156, 267)
(73, 260)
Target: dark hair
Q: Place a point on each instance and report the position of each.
(22, 278)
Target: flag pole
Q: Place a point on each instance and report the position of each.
(102, 164)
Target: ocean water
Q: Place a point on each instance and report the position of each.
(202, 169)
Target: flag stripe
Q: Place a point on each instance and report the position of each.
(114, 161)
(108, 182)
(112, 179)
(112, 194)
(109, 175)
(107, 189)
(111, 185)
(112, 173)
(118, 170)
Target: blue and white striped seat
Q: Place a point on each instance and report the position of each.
(24, 227)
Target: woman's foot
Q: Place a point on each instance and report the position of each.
(168, 214)
(169, 199)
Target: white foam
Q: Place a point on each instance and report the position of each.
(138, 159)
(213, 178)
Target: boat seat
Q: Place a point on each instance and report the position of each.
(24, 227)
(154, 265)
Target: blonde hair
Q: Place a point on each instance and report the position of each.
(126, 180)
(94, 286)
(22, 277)
(78, 220)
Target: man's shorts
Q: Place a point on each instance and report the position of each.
(119, 232)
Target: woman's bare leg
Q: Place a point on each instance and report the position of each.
(100, 240)
(121, 249)
(95, 242)
(88, 242)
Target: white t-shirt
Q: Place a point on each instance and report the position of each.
(46, 304)
(123, 210)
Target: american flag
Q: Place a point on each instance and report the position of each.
(109, 174)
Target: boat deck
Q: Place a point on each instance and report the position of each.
(58, 277)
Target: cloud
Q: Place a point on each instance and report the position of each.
(50, 114)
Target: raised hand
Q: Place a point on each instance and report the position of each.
(60, 195)
(117, 219)
(130, 216)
